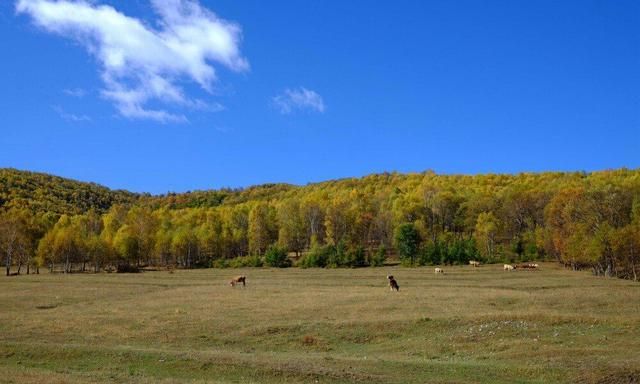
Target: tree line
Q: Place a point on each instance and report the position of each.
(582, 220)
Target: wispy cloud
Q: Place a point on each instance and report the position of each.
(141, 64)
(70, 116)
(75, 92)
(298, 99)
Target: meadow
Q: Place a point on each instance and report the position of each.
(471, 325)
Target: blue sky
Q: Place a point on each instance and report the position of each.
(306, 91)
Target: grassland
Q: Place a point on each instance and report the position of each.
(321, 326)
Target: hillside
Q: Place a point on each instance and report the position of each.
(585, 220)
(40, 192)
(44, 193)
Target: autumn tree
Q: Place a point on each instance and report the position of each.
(15, 242)
(127, 246)
(293, 227)
(337, 221)
(314, 220)
(62, 244)
(485, 234)
(210, 236)
(185, 245)
(142, 225)
(262, 230)
(583, 220)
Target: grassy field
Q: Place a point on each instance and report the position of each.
(321, 326)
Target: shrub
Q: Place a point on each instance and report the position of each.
(531, 252)
(337, 255)
(127, 268)
(246, 261)
(220, 263)
(334, 257)
(317, 257)
(355, 257)
(277, 257)
(455, 251)
(378, 258)
(431, 254)
(461, 251)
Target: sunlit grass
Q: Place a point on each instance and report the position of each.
(293, 325)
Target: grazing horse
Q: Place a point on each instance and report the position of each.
(237, 280)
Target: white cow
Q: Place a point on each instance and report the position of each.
(509, 267)
(439, 270)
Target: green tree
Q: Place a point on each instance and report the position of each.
(407, 242)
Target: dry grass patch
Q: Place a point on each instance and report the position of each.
(471, 325)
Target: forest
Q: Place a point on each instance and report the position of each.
(583, 220)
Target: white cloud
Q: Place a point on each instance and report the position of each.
(71, 116)
(75, 92)
(141, 64)
(298, 99)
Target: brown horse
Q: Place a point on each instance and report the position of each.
(237, 280)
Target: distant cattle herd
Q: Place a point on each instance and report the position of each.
(393, 284)
(509, 267)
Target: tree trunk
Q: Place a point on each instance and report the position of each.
(633, 266)
(8, 263)
(609, 271)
